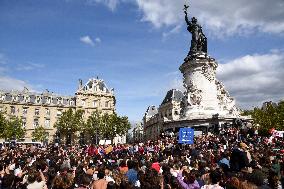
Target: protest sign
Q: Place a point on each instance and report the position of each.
(186, 136)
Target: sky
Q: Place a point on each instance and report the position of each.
(137, 46)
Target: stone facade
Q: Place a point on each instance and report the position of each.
(138, 132)
(169, 110)
(43, 109)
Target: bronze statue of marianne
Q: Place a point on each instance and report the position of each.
(199, 40)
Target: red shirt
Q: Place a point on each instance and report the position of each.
(156, 166)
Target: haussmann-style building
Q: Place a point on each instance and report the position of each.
(44, 109)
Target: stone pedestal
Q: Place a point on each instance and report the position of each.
(205, 96)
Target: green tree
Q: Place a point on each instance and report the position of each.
(40, 134)
(280, 115)
(13, 129)
(70, 122)
(112, 125)
(3, 124)
(92, 124)
(265, 117)
(246, 112)
(2, 121)
(272, 116)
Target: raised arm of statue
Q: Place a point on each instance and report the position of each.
(185, 12)
(186, 19)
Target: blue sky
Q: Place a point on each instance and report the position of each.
(137, 46)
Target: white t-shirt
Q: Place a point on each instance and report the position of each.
(215, 186)
(37, 185)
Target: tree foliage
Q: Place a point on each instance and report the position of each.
(3, 123)
(107, 125)
(113, 125)
(40, 134)
(11, 128)
(271, 116)
(70, 122)
(93, 123)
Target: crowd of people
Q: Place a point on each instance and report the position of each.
(230, 160)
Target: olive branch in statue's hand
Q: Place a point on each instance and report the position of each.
(185, 9)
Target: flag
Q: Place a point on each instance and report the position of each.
(108, 149)
(186, 136)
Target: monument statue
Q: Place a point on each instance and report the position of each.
(199, 40)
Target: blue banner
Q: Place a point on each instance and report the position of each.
(186, 136)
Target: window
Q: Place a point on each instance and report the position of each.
(24, 122)
(47, 122)
(25, 111)
(47, 111)
(27, 99)
(106, 104)
(36, 123)
(38, 99)
(14, 98)
(37, 111)
(48, 100)
(95, 103)
(20, 98)
(54, 101)
(83, 102)
(32, 99)
(71, 103)
(59, 112)
(60, 100)
(65, 101)
(8, 97)
(13, 110)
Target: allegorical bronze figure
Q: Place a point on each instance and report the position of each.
(199, 40)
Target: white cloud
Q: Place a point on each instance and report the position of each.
(8, 83)
(219, 16)
(87, 40)
(176, 83)
(98, 40)
(253, 79)
(29, 66)
(174, 30)
(161, 12)
(111, 4)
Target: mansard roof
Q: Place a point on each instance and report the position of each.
(32, 97)
(94, 85)
(151, 111)
(173, 95)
